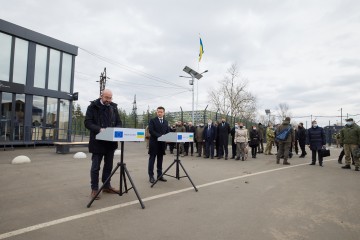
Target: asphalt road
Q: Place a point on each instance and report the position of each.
(254, 199)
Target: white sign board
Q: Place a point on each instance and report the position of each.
(177, 137)
(122, 134)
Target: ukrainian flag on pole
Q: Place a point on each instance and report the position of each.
(201, 50)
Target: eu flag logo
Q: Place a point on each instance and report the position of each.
(179, 137)
(118, 134)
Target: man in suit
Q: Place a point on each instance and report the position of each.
(100, 114)
(158, 126)
(223, 136)
(209, 137)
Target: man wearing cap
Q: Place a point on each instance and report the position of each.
(284, 145)
(350, 139)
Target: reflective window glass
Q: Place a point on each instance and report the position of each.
(63, 119)
(20, 61)
(5, 53)
(66, 72)
(5, 118)
(40, 66)
(37, 117)
(51, 116)
(19, 117)
(54, 68)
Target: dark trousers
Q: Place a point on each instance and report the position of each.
(209, 149)
(200, 146)
(223, 149)
(171, 146)
(191, 146)
(261, 146)
(302, 147)
(186, 147)
(233, 149)
(313, 156)
(296, 147)
(253, 151)
(216, 148)
(159, 162)
(95, 168)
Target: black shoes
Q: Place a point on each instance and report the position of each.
(238, 158)
(312, 163)
(357, 169)
(162, 179)
(346, 167)
(152, 180)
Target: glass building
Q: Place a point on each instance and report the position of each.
(36, 86)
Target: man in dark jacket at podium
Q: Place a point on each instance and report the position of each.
(158, 126)
(100, 114)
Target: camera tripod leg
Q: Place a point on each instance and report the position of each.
(104, 184)
(133, 186)
(188, 176)
(163, 173)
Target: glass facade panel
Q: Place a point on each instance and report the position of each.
(66, 72)
(5, 120)
(54, 68)
(63, 119)
(20, 61)
(51, 116)
(40, 66)
(37, 117)
(5, 53)
(19, 117)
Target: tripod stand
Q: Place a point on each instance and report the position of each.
(123, 188)
(177, 163)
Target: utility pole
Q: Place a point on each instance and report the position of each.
(102, 81)
(134, 111)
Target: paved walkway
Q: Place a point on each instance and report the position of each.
(255, 199)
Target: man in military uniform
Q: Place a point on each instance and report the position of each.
(261, 138)
(270, 135)
(350, 139)
(284, 145)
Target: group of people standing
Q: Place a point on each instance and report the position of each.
(211, 141)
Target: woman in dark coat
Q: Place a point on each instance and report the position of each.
(254, 140)
(316, 141)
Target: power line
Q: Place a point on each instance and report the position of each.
(130, 69)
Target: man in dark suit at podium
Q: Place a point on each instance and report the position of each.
(158, 126)
(100, 114)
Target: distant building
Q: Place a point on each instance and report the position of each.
(36, 86)
(186, 116)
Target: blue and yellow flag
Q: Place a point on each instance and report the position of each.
(201, 50)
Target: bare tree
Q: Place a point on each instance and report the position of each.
(283, 111)
(232, 97)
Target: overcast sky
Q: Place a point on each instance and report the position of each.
(305, 53)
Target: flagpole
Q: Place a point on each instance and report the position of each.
(197, 85)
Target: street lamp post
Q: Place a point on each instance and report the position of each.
(193, 74)
(267, 111)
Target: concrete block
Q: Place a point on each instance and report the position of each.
(79, 155)
(21, 159)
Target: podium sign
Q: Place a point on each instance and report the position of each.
(177, 137)
(122, 134)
